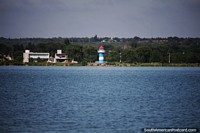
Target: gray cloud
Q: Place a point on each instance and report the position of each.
(123, 18)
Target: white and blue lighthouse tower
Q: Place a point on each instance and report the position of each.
(101, 52)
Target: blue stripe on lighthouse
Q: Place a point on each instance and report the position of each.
(101, 54)
(101, 58)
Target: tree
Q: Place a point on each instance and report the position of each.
(18, 56)
(66, 42)
(90, 53)
(155, 56)
(39, 59)
(143, 54)
(31, 47)
(95, 38)
(112, 56)
(75, 52)
(5, 50)
(133, 44)
(129, 56)
(164, 53)
(136, 38)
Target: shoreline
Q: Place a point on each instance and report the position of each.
(116, 64)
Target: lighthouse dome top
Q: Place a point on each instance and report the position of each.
(101, 47)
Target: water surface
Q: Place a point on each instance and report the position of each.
(98, 99)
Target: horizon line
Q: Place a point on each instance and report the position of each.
(91, 37)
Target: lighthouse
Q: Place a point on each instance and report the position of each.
(101, 52)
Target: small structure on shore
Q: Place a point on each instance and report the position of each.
(101, 52)
(60, 57)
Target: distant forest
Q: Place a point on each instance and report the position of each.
(129, 50)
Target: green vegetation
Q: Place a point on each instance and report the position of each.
(171, 51)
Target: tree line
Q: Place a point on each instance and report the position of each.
(127, 50)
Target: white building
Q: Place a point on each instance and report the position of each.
(60, 57)
(34, 55)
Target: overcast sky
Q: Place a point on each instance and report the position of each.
(110, 18)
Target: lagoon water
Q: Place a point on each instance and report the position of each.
(98, 99)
